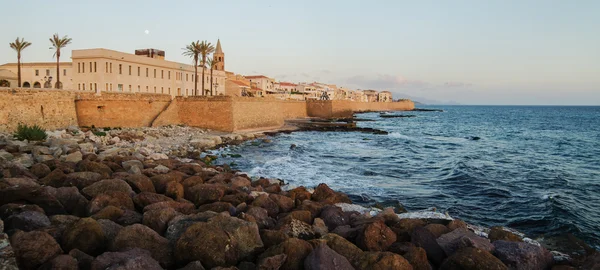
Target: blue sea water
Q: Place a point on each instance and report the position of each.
(535, 168)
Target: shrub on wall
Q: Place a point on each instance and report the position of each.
(33, 133)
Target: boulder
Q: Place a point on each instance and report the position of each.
(116, 198)
(313, 207)
(461, 237)
(40, 170)
(27, 221)
(205, 193)
(299, 194)
(240, 182)
(106, 186)
(469, 258)
(33, 249)
(60, 223)
(179, 224)
(132, 259)
(241, 236)
(261, 217)
(158, 219)
(284, 203)
(162, 169)
(62, 262)
(273, 237)
(174, 190)
(160, 181)
(73, 157)
(333, 217)
(195, 265)
(405, 227)
(265, 202)
(74, 203)
(86, 235)
(129, 217)
(182, 207)
(324, 258)
(110, 212)
(23, 191)
(381, 261)
(140, 236)
(55, 179)
(416, 256)
(342, 246)
(437, 229)
(272, 263)
(326, 195)
(110, 229)
(456, 223)
(298, 229)
(218, 207)
(82, 179)
(498, 233)
(319, 227)
(295, 250)
(140, 183)
(92, 166)
(10, 209)
(421, 237)
(521, 255)
(376, 237)
(132, 163)
(84, 261)
(147, 198)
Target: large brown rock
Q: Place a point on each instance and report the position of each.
(242, 237)
(73, 202)
(272, 263)
(160, 181)
(84, 261)
(342, 246)
(182, 207)
(333, 217)
(457, 223)
(315, 208)
(205, 193)
(191, 181)
(381, 261)
(174, 190)
(376, 237)
(106, 186)
(33, 249)
(460, 238)
(86, 235)
(437, 229)
(473, 259)
(60, 262)
(498, 233)
(299, 194)
(10, 209)
(40, 170)
(261, 217)
(82, 179)
(284, 203)
(421, 237)
(110, 212)
(140, 183)
(54, 179)
(118, 199)
(133, 259)
(296, 250)
(26, 190)
(273, 237)
(110, 229)
(147, 198)
(326, 195)
(416, 256)
(140, 236)
(27, 221)
(405, 227)
(195, 265)
(92, 166)
(324, 258)
(158, 219)
(521, 255)
(218, 207)
(179, 224)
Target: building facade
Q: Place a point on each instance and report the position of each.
(385, 96)
(38, 75)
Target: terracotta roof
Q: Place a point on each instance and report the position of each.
(256, 77)
(256, 88)
(239, 83)
(287, 84)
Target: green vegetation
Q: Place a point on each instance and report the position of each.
(33, 133)
(99, 133)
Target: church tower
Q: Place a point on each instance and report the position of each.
(219, 56)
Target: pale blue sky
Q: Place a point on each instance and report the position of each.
(471, 52)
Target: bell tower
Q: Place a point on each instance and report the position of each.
(219, 56)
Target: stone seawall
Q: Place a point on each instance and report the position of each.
(53, 109)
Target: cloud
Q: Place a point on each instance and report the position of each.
(457, 84)
(384, 81)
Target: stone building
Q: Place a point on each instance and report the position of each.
(371, 95)
(385, 96)
(262, 82)
(38, 75)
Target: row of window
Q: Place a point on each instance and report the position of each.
(108, 69)
(109, 87)
(37, 72)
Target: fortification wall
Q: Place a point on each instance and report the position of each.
(206, 112)
(345, 108)
(293, 109)
(253, 113)
(50, 109)
(119, 109)
(318, 108)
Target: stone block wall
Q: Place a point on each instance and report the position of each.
(206, 112)
(51, 109)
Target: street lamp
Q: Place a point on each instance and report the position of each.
(47, 81)
(215, 86)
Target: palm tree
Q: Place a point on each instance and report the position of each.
(19, 46)
(193, 50)
(205, 49)
(212, 64)
(57, 44)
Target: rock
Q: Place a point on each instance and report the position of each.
(135, 170)
(27, 221)
(60, 223)
(140, 236)
(182, 207)
(129, 217)
(299, 194)
(273, 237)
(24, 160)
(158, 219)
(40, 170)
(324, 258)
(110, 229)
(473, 258)
(437, 229)
(105, 186)
(459, 238)
(82, 179)
(33, 249)
(342, 246)
(381, 261)
(73, 157)
(298, 229)
(84, 261)
(157, 156)
(521, 255)
(264, 201)
(160, 181)
(498, 233)
(240, 182)
(133, 259)
(326, 195)
(73, 202)
(241, 238)
(202, 143)
(319, 227)
(416, 256)
(6, 156)
(62, 262)
(218, 207)
(195, 265)
(405, 227)
(55, 178)
(205, 193)
(333, 217)
(44, 158)
(86, 235)
(110, 212)
(117, 199)
(161, 169)
(10, 209)
(457, 223)
(272, 263)
(285, 203)
(174, 190)
(140, 183)
(20, 190)
(179, 224)
(132, 163)
(376, 237)
(86, 148)
(296, 251)
(92, 166)
(147, 198)
(421, 237)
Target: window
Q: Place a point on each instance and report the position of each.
(95, 66)
(154, 89)
(138, 71)
(111, 86)
(162, 74)
(78, 86)
(162, 90)
(120, 69)
(64, 72)
(106, 88)
(120, 87)
(146, 72)
(130, 71)
(110, 70)
(47, 72)
(139, 89)
(169, 75)
(146, 88)
(106, 69)
(91, 71)
(130, 88)
(154, 73)
(82, 67)
(37, 72)
(169, 90)
(186, 77)
(96, 87)
(91, 88)
(83, 86)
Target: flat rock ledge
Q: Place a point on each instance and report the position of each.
(138, 199)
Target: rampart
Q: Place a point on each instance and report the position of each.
(53, 109)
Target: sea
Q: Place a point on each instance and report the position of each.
(535, 169)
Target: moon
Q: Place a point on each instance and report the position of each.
(147, 32)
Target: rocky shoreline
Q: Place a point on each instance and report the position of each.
(143, 199)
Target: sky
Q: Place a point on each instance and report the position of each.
(521, 52)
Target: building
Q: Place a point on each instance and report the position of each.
(236, 88)
(371, 95)
(96, 70)
(262, 82)
(385, 96)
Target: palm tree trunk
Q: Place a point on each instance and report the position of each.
(195, 77)
(58, 71)
(203, 63)
(19, 68)
(211, 81)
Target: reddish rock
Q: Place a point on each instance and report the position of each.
(129, 217)
(60, 223)
(265, 202)
(240, 182)
(92, 166)
(376, 237)
(10, 209)
(324, 258)
(190, 169)
(32, 249)
(416, 256)
(236, 198)
(272, 263)
(326, 195)
(405, 227)
(274, 188)
(315, 208)
(296, 250)
(273, 237)
(40, 170)
(299, 194)
(195, 265)
(85, 235)
(342, 246)
(110, 229)
(133, 259)
(205, 193)
(381, 261)
(160, 181)
(457, 223)
(473, 259)
(54, 179)
(117, 199)
(110, 212)
(302, 215)
(82, 179)
(140, 183)
(421, 237)
(140, 236)
(263, 182)
(521, 255)
(179, 224)
(147, 198)
(460, 238)
(21, 190)
(298, 229)
(285, 203)
(498, 233)
(174, 190)
(73, 202)
(61, 262)
(437, 229)
(333, 217)
(191, 181)
(218, 207)
(106, 186)
(182, 207)
(158, 219)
